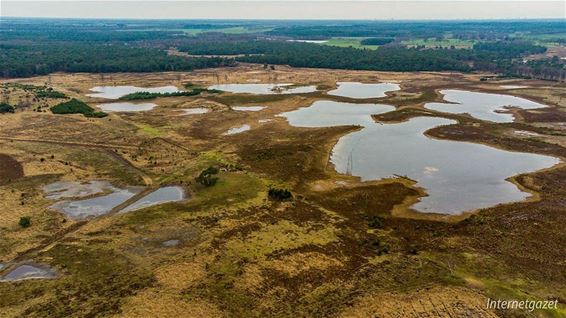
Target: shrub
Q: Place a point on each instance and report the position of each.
(6, 108)
(279, 194)
(75, 106)
(207, 178)
(25, 221)
(375, 223)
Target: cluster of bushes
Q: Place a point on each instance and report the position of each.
(75, 106)
(49, 93)
(279, 194)
(207, 177)
(6, 108)
(149, 95)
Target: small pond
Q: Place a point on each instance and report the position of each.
(248, 108)
(115, 92)
(484, 106)
(82, 209)
(264, 89)
(363, 90)
(237, 130)
(29, 271)
(159, 196)
(195, 111)
(126, 107)
(73, 189)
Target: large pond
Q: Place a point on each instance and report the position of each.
(159, 196)
(484, 106)
(115, 92)
(126, 107)
(363, 90)
(457, 176)
(264, 89)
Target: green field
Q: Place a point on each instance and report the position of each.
(444, 43)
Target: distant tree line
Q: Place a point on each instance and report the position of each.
(23, 60)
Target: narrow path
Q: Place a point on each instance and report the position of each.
(70, 143)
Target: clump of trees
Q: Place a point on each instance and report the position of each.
(208, 177)
(6, 108)
(25, 221)
(75, 106)
(279, 194)
(149, 95)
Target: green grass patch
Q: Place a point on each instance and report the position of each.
(148, 130)
(349, 42)
(231, 189)
(444, 43)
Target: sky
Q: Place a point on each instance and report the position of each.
(287, 9)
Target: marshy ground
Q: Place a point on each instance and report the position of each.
(340, 248)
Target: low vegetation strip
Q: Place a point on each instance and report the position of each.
(150, 95)
(75, 106)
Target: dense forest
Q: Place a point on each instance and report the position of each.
(31, 47)
(21, 60)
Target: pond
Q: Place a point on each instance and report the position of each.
(73, 189)
(485, 106)
(264, 89)
(237, 130)
(195, 111)
(82, 209)
(159, 196)
(126, 107)
(29, 271)
(248, 108)
(457, 176)
(513, 86)
(363, 90)
(115, 92)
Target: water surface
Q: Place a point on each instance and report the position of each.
(73, 189)
(248, 108)
(115, 92)
(264, 89)
(29, 271)
(126, 107)
(513, 86)
(82, 209)
(159, 196)
(237, 130)
(457, 176)
(484, 106)
(195, 111)
(363, 90)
